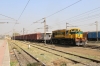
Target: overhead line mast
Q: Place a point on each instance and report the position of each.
(44, 30)
(97, 29)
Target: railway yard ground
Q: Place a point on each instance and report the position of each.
(24, 53)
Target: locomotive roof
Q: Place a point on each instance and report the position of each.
(65, 29)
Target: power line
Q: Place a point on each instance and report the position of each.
(85, 18)
(86, 24)
(3, 22)
(19, 16)
(83, 13)
(49, 15)
(59, 10)
(9, 32)
(23, 10)
(63, 9)
(35, 22)
(90, 11)
(8, 17)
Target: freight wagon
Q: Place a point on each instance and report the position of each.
(36, 37)
(42, 37)
(92, 36)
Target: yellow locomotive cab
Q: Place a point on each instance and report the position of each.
(74, 36)
(59, 33)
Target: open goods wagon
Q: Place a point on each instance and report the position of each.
(37, 37)
(42, 37)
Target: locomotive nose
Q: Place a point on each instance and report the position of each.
(79, 35)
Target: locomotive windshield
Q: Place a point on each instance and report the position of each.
(75, 31)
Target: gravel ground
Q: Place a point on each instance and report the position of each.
(13, 59)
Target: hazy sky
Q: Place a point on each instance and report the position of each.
(82, 14)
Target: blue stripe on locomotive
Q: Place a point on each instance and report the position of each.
(93, 34)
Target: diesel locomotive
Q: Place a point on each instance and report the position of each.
(73, 36)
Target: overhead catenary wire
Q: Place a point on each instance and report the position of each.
(19, 16)
(8, 17)
(82, 19)
(5, 19)
(85, 13)
(86, 24)
(34, 22)
(90, 11)
(86, 18)
(89, 17)
(23, 10)
(77, 22)
(59, 11)
(82, 14)
(8, 32)
(21, 13)
(55, 13)
(7, 22)
(63, 9)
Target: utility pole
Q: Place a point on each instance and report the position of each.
(46, 27)
(23, 33)
(66, 26)
(13, 34)
(97, 29)
(45, 30)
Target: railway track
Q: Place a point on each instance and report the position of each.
(63, 54)
(15, 54)
(24, 58)
(92, 47)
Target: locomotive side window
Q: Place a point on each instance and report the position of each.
(74, 31)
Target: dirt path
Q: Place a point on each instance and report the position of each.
(2, 51)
